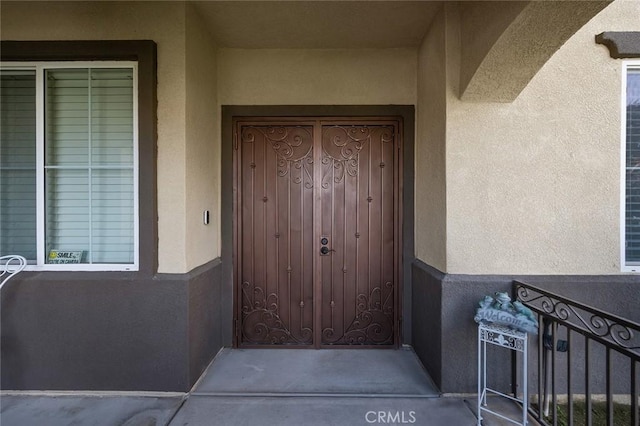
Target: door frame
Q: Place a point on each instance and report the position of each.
(229, 313)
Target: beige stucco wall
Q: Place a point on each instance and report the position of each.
(533, 187)
(482, 23)
(430, 148)
(504, 44)
(530, 187)
(317, 77)
(202, 144)
(163, 22)
(188, 106)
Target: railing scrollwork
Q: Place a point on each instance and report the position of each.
(612, 331)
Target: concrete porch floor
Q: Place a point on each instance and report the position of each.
(380, 372)
(266, 387)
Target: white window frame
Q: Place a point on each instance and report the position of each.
(635, 266)
(39, 68)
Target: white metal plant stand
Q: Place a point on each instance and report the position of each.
(9, 266)
(510, 339)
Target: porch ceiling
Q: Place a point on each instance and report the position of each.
(318, 24)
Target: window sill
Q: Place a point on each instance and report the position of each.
(83, 268)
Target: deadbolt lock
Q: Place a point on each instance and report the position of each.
(324, 250)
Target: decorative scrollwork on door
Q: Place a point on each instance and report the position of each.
(358, 175)
(261, 322)
(373, 323)
(293, 147)
(299, 182)
(340, 148)
(276, 199)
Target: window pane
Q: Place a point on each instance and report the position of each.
(633, 167)
(90, 181)
(17, 163)
(112, 117)
(112, 214)
(67, 117)
(68, 213)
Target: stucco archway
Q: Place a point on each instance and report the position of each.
(504, 44)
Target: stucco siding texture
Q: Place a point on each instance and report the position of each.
(166, 24)
(533, 187)
(445, 335)
(430, 148)
(202, 156)
(317, 76)
(513, 40)
(426, 318)
(94, 335)
(205, 316)
(110, 332)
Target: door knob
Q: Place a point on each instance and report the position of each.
(324, 250)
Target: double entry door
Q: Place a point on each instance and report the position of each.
(317, 231)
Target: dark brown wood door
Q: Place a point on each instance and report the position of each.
(317, 232)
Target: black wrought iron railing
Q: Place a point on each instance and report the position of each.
(587, 362)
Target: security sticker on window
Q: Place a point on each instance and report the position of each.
(61, 257)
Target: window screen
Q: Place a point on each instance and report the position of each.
(67, 164)
(89, 163)
(632, 194)
(18, 163)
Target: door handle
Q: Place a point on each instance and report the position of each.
(324, 250)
